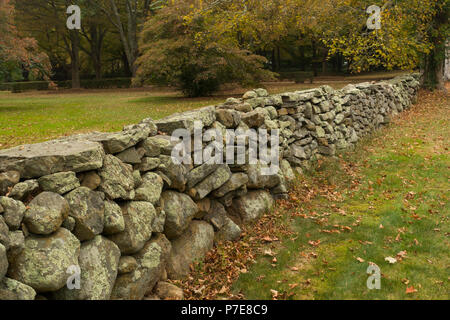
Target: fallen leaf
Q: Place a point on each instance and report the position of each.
(360, 260)
(390, 260)
(410, 290)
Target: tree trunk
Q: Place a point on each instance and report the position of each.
(434, 62)
(75, 58)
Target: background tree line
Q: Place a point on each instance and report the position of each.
(197, 45)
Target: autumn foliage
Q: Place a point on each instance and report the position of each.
(17, 51)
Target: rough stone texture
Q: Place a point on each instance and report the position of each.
(191, 246)
(152, 261)
(98, 261)
(180, 209)
(199, 173)
(236, 181)
(230, 231)
(130, 136)
(138, 218)
(16, 243)
(212, 182)
(13, 212)
(130, 156)
(3, 261)
(167, 291)
(117, 179)
(4, 232)
(150, 189)
(127, 264)
(37, 160)
(8, 180)
(43, 262)
(24, 190)
(11, 289)
(252, 206)
(91, 180)
(88, 209)
(114, 221)
(46, 213)
(61, 182)
(148, 164)
(176, 173)
(186, 120)
(258, 180)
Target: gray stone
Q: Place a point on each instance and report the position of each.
(37, 160)
(4, 232)
(286, 170)
(199, 173)
(152, 261)
(191, 246)
(119, 141)
(138, 216)
(150, 189)
(254, 119)
(44, 261)
(3, 262)
(91, 180)
(13, 212)
(24, 190)
(16, 243)
(180, 209)
(236, 181)
(216, 215)
(114, 221)
(8, 180)
(127, 264)
(258, 179)
(117, 179)
(176, 173)
(229, 118)
(98, 261)
(252, 206)
(137, 178)
(130, 156)
(168, 291)
(11, 289)
(46, 213)
(148, 164)
(61, 182)
(250, 95)
(160, 221)
(157, 145)
(212, 182)
(230, 231)
(69, 223)
(88, 209)
(185, 120)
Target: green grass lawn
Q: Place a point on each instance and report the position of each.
(387, 198)
(38, 116)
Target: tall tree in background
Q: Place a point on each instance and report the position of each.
(17, 51)
(180, 47)
(127, 16)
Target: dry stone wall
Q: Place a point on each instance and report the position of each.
(118, 207)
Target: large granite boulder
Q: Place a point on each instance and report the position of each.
(11, 289)
(191, 246)
(13, 212)
(61, 182)
(98, 261)
(117, 179)
(3, 261)
(114, 221)
(150, 188)
(251, 206)
(37, 160)
(46, 213)
(151, 263)
(8, 180)
(43, 262)
(212, 182)
(88, 209)
(180, 209)
(138, 216)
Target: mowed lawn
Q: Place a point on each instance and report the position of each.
(386, 203)
(38, 116)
